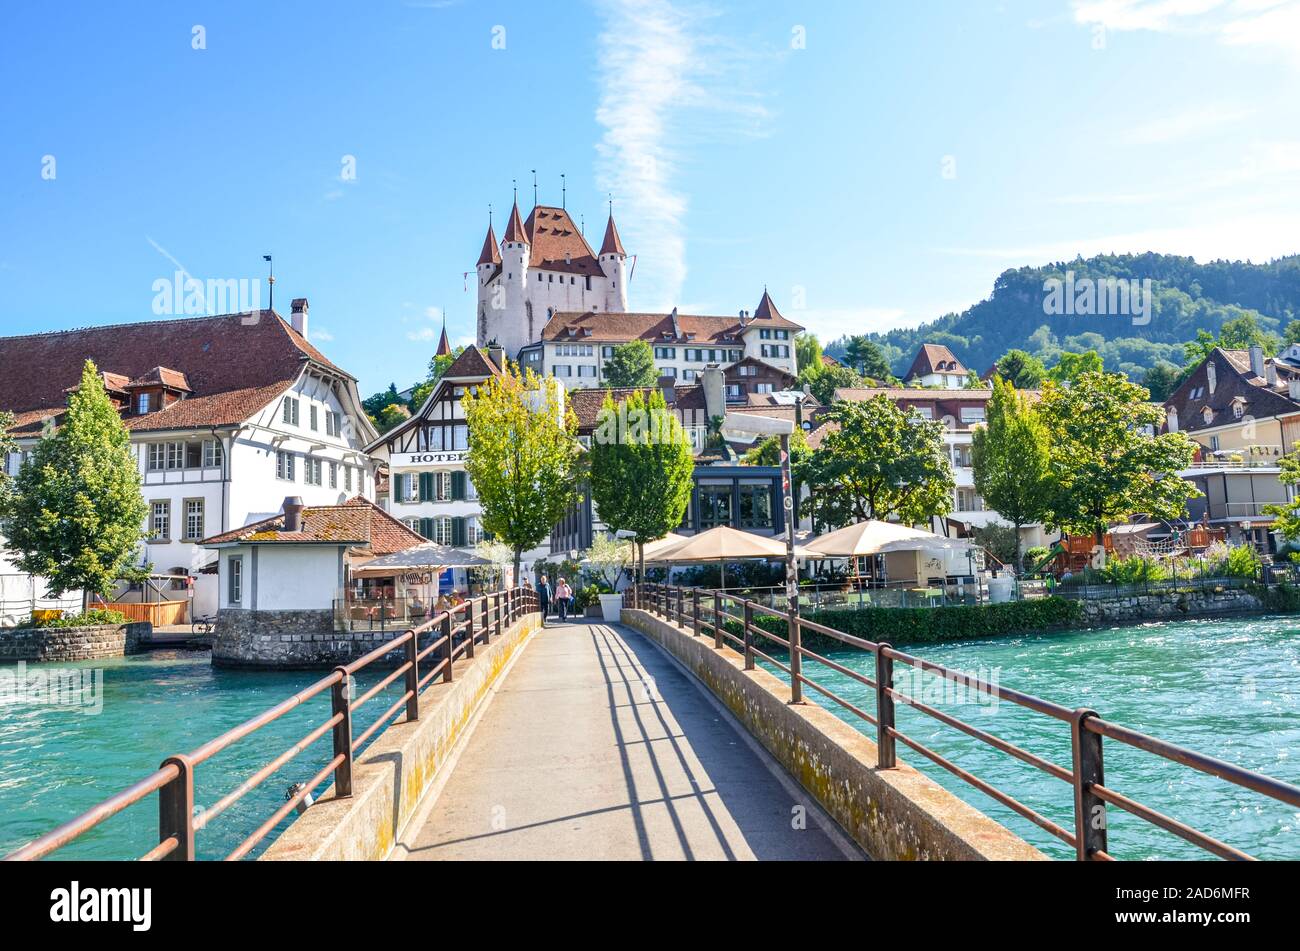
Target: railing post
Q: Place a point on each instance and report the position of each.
(681, 605)
(469, 629)
(717, 620)
(446, 648)
(176, 810)
(1089, 810)
(485, 620)
(413, 677)
(695, 611)
(796, 658)
(501, 617)
(885, 757)
(341, 703)
(749, 637)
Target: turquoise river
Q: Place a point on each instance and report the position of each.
(1227, 688)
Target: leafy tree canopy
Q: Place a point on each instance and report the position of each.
(1022, 370)
(76, 516)
(632, 364)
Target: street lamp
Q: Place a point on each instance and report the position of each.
(744, 426)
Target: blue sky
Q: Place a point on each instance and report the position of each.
(874, 164)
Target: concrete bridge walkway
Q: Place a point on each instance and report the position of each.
(597, 746)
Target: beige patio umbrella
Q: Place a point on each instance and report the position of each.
(671, 540)
(873, 537)
(723, 544)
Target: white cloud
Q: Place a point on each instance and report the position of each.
(1262, 24)
(661, 73)
(1203, 118)
(423, 335)
(321, 335)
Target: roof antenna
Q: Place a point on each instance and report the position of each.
(514, 183)
(489, 216)
(270, 283)
(564, 192)
(534, 188)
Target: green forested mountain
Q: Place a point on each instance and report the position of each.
(1186, 297)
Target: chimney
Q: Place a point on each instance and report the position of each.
(293, 513)
(498, 356)
(1293, 388)
(299, 318)
(1257, 360)
(667, 386)
(1270, 374)
(715, 391)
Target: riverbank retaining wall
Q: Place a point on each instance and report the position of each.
(289, 640)
(63, 644)
(891, 813)
(1170, 605)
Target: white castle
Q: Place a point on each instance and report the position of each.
(542, 267)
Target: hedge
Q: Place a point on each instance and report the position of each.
(921, 625)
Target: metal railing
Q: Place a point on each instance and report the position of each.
(453, 633)
(703, 611)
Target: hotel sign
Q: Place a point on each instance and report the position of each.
(406, 460)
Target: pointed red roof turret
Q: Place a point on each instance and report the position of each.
(490, 253)
(515, 229)
(612, 244)
(766, 310)
(444, 346)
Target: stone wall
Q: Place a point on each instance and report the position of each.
(1168, 606)
(63, 644)
(289, 639)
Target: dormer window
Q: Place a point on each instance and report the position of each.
(1211, 377)
(142, 404)
(1238, 407)
(1207, 415)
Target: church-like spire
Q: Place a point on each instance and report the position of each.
(515, 228)
(766, 310)
(490, 254)
(444, 345)
(612, 244)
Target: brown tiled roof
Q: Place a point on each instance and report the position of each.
(162, 376)
(766, 310)
(829, 361)
(1233, 380)
(612, 244)
(444, 345)
(652, 328)
(490, 253)
(558, 245)
(934, 358)
(473, 362)
(234, 365)
(817, 436)
(515, 226)
(587, 403)
(356, 522)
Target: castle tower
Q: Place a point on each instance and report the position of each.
(613, 261)
(489, 264)
(506, 312)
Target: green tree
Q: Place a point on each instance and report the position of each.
(1071, 366)
(1011, 458)
(768, 453)
(1104, 465)
(881, 462)
(641, 469)
(1291, 334)
(865, 356)
(632, 364)
(437, 367)
(1161, 380)
(7, 446)
(524, 457)
(824, 384)
(1022, 370)
(808, 354)
(77, 516)
(373, 405)
(390, 417)
(1244, 332)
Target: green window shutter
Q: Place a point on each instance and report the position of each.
(399, 488)
(458, 486)
(426, 487)
(458, 533)
(426, 527)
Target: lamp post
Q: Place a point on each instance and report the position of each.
(745, 425)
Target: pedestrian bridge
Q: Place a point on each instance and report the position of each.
(659, 737)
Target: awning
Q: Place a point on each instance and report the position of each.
(420, 558)
(874, 537)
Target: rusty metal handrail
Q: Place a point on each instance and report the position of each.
(174, 780)
(1087, 729)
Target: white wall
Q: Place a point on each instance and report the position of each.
(283, 577)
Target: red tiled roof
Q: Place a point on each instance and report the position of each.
(934, 358)
(587, 403)
(558, 245)
(356, 522)
(234, 365)
(473, 362)
(515, 226)
(612, 244)
(490, 253)
(766, 310)
(162, 376)
(653, 328)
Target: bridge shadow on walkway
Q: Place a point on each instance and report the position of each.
(598, 747)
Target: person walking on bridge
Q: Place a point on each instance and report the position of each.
(544, 597)
(563, 595)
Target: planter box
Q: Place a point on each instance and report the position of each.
(611, 607)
